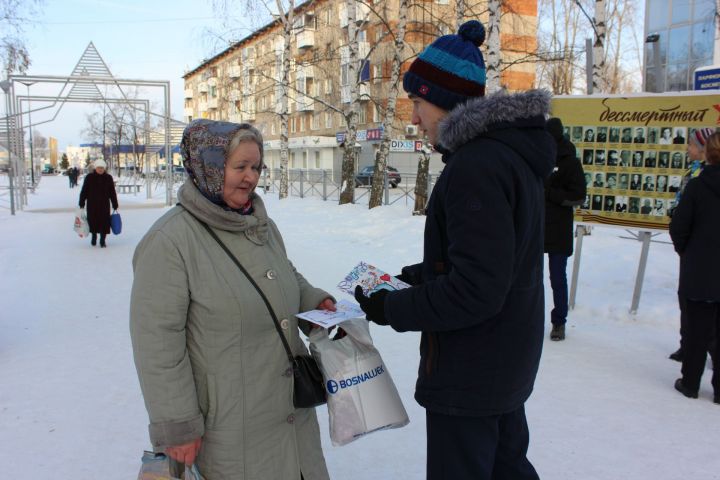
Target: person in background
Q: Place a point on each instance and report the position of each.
(679, 138)
(695, 233)
(697, 142)
(477, 297)
(665, 136)
(214, 374)
(564, 190)
(98, 191)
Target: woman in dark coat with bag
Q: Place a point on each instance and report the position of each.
(98, 191)
(564, 190)
(695, 232)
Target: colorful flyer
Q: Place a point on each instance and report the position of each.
(326, 319)
(371, 279)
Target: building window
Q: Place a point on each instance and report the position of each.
(377, 72)
(317, 159)
(292, 125)
(315, 121)
(362, 115)
(376, 113)
(328, 120)
(292, 160)
(304, 160)
(328, 86)
(302, 123)
(272, 128)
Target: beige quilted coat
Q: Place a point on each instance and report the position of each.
(208, 356)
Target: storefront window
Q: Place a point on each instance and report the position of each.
(657, 14)
(679, 44)
(702, 41)
(677, 77)
(680, 11)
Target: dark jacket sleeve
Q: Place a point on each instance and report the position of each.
(569, 190)
(113, 193)
(84, 192)
(478, 203)
(682, 219)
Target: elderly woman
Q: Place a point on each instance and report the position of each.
(98, 191)
(695, 232)
(215, 376)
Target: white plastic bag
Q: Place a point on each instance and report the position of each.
(362, 397)
(80, 225)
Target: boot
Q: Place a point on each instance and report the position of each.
(93, 239)
(557, 333)
(680, 387)
(102, 240)
(677, 355)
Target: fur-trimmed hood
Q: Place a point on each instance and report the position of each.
(516, 118)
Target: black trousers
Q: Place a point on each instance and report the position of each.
(701, 324)
(478, 448)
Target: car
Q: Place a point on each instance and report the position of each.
(364, 176)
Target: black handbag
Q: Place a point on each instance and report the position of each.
(308, 383)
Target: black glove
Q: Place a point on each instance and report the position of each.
(408, 276)
(373, 306)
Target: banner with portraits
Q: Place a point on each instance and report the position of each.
(634, 152)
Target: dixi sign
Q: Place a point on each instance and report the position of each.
(405, 145)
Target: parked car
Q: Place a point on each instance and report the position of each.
(364, 176)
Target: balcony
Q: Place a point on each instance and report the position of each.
(212, 103)
(202, 87)
(212, 81)
(234, 95)
(188, 93)
(362, 12)
(188, 111)
(363, 92)
(203, 106)
(305, 39)
(235, 71)
(305, 71)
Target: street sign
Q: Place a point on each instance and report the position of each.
(707, 78)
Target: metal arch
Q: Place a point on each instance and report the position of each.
(90, 72)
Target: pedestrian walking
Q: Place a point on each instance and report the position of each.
(98, 191)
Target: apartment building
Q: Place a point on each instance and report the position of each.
(242, 83)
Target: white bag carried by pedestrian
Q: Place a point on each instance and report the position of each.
(362, 397)
(80, 225)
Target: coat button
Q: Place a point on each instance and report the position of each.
(270, 274)
(288, 372)
(284, 323)
(291, 418)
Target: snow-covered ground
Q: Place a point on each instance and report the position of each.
(604, 406)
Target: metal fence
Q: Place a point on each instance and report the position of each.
(321, 183)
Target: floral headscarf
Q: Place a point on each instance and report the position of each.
(203, 147)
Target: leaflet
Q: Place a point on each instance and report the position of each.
(371, 279)
(326, 319)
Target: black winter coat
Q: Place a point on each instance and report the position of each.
(695, 232)
(564, 189)
(480, 303)
(99, 193)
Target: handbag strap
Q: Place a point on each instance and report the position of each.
(252, 281)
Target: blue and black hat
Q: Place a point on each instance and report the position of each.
(451, 69)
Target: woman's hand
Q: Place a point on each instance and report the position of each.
(327, 304)
(185, 453)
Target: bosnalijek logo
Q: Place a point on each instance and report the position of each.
(334, 386)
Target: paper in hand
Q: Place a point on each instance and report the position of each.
(371, 279)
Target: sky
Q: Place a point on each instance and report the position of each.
(149, 40)
(603, 407)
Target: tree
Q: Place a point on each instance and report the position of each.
(378, 182)
(64, 162)
(14, 15)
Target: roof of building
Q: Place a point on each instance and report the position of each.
(241, 42)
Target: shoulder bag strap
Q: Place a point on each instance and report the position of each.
(253, 282)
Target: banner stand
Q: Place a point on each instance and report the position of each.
(580, 232)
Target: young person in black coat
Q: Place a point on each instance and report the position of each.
(564, 190)
(695, 232)
(477, 297)
(98, 191)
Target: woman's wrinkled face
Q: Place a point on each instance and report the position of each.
(242, 172)
(694, 151)
(99, 170)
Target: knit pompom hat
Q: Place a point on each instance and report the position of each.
(451, 69)
(699, 137)
(100, 164)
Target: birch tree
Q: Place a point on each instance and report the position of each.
(378, 182)
(350, 151)
(14, 16)
(599, 48)
(492, 65)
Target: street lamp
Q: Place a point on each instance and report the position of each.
(27, 84)
(654, 39)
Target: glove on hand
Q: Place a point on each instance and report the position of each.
(373, 306)
(408, 276)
